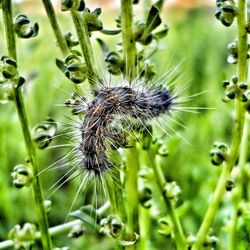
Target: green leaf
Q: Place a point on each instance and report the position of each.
(153, 20)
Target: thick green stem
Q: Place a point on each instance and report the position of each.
(237, 132)
(132, 164)
(56, 28)
(132, 199)
(84, 40)
(161, 182)
(23, 118)
(129, 48)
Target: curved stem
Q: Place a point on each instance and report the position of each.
(237, 132)
(23, 118)
(179, 236)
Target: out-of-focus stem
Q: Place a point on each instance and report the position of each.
(55, 26)
(85, 44)
(23, 118)
(237, 131)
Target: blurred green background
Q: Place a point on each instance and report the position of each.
(199, 43)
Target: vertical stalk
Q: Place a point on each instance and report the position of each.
(132, 164)
(131, 185)
(161, 182)
(23, 118)
(57, 32)
(85, 44)
(237, 131)
(128, 38)
(55, 26)
(238, 196)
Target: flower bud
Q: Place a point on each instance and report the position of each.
(23, 237)
(171, 190)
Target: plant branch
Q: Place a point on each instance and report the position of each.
(237, 131)
(55, 26)
(23, 118)
(129, 48)
(238, 196)
(179, 237)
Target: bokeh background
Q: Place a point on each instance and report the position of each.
(196, 40)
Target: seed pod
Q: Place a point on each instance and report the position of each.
(43, 133)
(218, 153)
(145, 196)
(22, 176)
(23, 28)
(229, 184)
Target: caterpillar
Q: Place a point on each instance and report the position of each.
(112, 104)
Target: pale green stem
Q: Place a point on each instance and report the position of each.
(56, 28)
(131, 186)
(57, 32)
(85, 44)
(23, 118)
(179, 236)
(239, 188)
(237, 131)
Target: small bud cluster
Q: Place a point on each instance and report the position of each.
(23, 237)
(234, 89)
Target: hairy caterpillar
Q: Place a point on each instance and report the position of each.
(117, 108)
(110, 105)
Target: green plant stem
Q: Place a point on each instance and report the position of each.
(132, 163)
(85, 44)
(238, 195)
(23, 118)
(57, 32)
(144, 220)
(56, 28)
(237, 131)
(129, 48)
(132, 199)
(161, 182)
